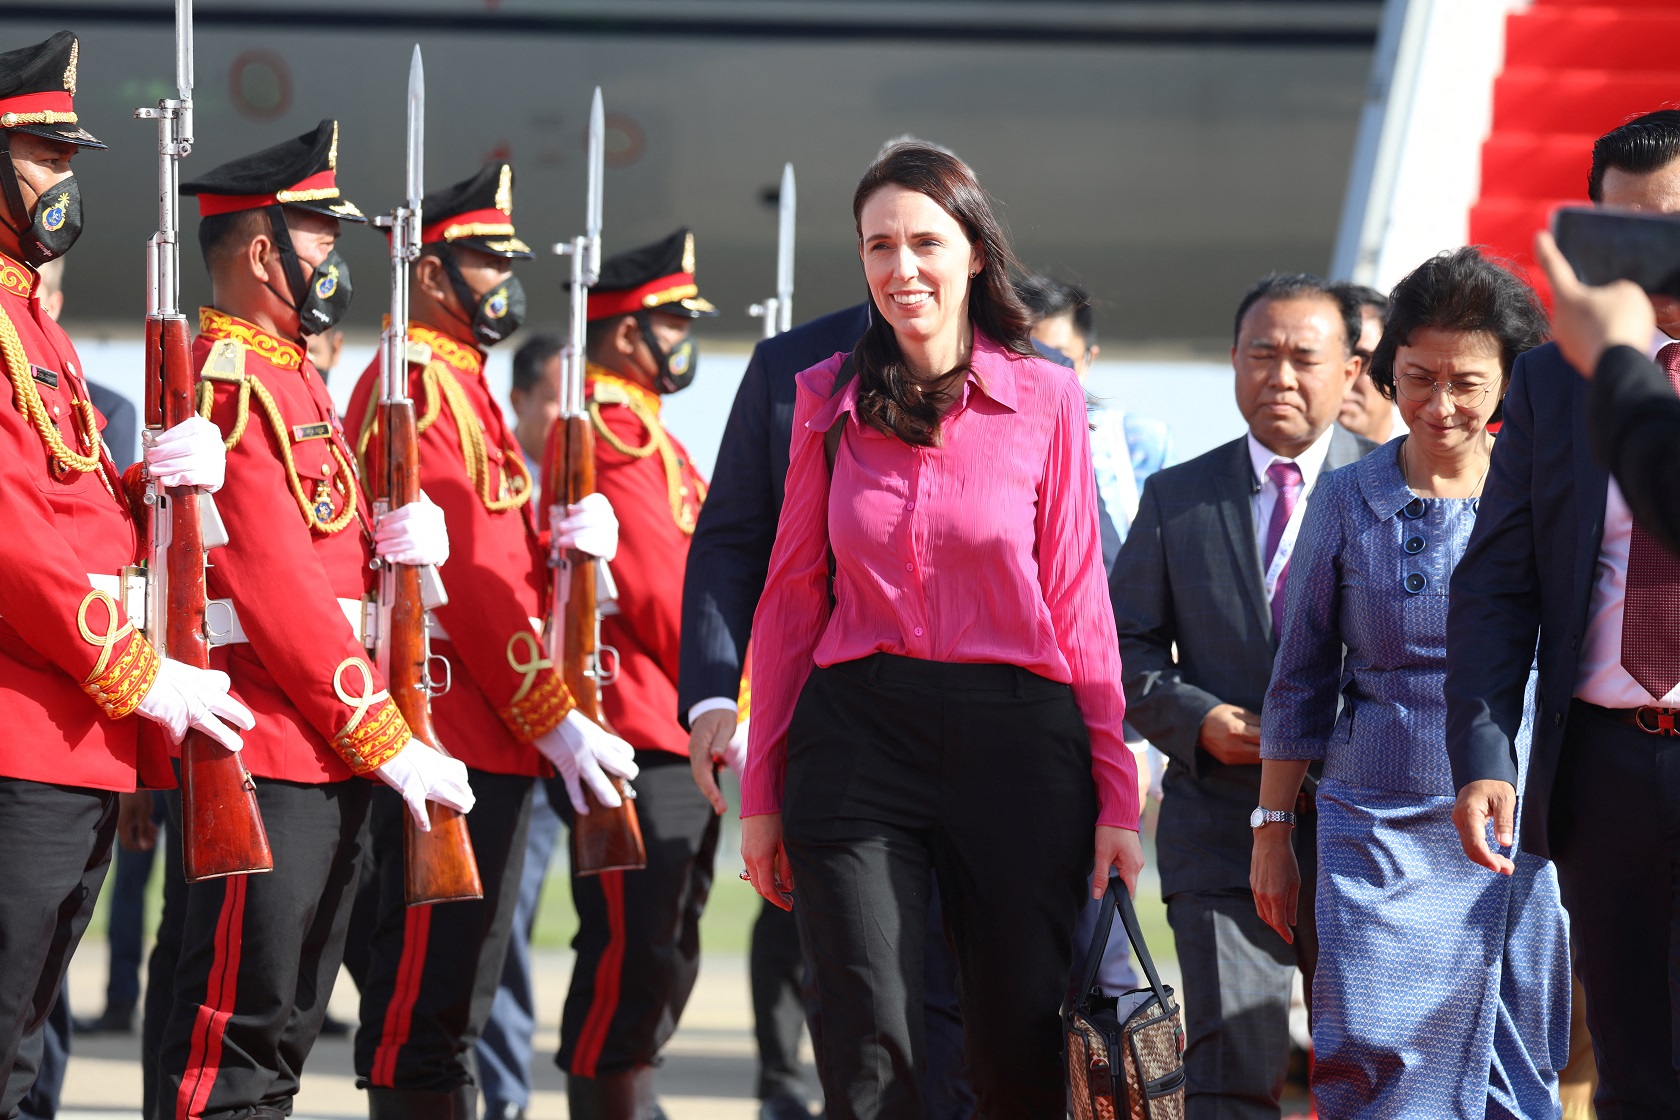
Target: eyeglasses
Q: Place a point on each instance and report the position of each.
(1465, 394)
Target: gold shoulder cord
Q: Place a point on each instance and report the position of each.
(29, 400)
(227, 364)
(658, 441)
(441, 387)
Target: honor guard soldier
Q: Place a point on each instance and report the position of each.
(638, 945)
(73, 666)
(257, 954)
(508, 714)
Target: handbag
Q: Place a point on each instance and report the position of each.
(1125, 1054)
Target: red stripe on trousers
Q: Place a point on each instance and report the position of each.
(608, 973)
(204, 1059)
(399, 1015)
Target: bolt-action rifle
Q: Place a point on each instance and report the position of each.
(603, 839)
(439, 865)
(221, 826)
(777, 311)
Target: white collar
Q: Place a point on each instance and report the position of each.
(1311, 461)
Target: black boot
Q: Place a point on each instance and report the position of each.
(411, 1104)
(617, 1096)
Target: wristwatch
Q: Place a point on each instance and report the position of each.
(1270, 816)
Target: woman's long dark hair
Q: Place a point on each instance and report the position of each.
(888, 399)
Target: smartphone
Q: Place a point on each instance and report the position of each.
(1605, 245)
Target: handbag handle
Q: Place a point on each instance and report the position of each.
(1121, 900)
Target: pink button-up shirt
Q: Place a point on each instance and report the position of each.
(984, 549)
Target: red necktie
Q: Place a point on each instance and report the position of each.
(1651, 609)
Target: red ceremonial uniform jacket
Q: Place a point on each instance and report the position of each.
(72, 666)
(297, 521)
(657, 493)
(505, 691)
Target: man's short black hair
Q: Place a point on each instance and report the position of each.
(222, 235)
(1365, 297)
(1302, 285)
(1639, 147)
(1047, 297)
(532, 358)
(1460, 291)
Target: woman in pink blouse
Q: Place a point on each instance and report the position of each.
(955, 714)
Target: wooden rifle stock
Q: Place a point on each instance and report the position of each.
(605, 839)
(438, 866)
(221, 827)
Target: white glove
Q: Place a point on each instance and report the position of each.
(413, 534)
(189, 454)
(183, 696)
(421, 774)
(584, 752)
(589, 525)
(735, 751)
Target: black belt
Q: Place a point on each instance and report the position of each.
(1653, 719)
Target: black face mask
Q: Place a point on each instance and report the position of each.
(676, 366)
(48, 232)
(497, 313)
(323, 297)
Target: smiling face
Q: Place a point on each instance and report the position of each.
(918, 263)
(1293, 367)
(1461, 371)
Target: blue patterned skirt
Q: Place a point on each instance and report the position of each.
(1442, 988)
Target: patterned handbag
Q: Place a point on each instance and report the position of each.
(1125, 1054)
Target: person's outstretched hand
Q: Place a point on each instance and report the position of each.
(1120, 849)
(1477, 804)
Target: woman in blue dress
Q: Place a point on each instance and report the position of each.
(1442, 988)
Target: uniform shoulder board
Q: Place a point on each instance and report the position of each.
(419, 353)
(608, 393)
(226, 361)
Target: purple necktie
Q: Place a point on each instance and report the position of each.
(1287, 478)
(1651, 606)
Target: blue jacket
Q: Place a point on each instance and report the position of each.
(1527, 574)
(730, 552)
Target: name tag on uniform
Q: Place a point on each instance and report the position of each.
(44, 376)
(311, 431)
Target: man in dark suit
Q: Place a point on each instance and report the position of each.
(1197, 592)
(1558, 555)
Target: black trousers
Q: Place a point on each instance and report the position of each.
(432, 970)
(166, 952)
(1616, 814)
(902, 772)
(638, 939)
(255, 958)
(1240, 976)
(55, 847)
(777, 976)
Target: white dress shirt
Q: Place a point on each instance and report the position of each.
(1265, 494)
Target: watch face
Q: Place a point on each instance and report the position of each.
(1257, 818)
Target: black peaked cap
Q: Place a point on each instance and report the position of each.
(301, 173)
(476, 213)
(38, 88)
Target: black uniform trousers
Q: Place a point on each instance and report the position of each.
(1616, 839)
(255, 958)
(777, 976)
(433, 970)
(638, 939)
(55, 847)
(902, 772)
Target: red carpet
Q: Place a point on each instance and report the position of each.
(1573, 71)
